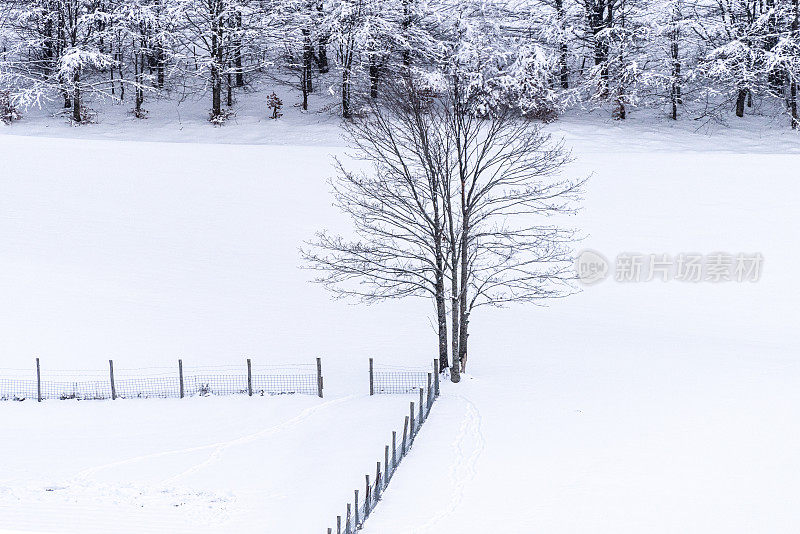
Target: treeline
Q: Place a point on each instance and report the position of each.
(687, 58)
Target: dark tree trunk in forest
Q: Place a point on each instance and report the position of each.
(793, 83)
(308, 57)
(601, 18)
(740, 102)
(216, 57)
(406, 25)
(76, 97)
(562, 47)
(346, 111)
(322, 55)
(237, 59)
(374, 71)
(675, 85)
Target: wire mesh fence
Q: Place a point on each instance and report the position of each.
(160, 382)
(357, 512)
(390, 379)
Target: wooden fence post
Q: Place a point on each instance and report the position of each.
(411, 429)
(338, 524)
(356, 520)
(319, 377)
(428, 400)
(371, 379)
(249, 378)
(38, 382)
(386, 465)
(367, 499)
(378, 482)
(436, 377)
(405, 432)
(347, 521)
(180, 376)
(394, 450)
(111, 375)
(420, 409)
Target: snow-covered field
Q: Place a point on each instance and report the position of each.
(643, 407)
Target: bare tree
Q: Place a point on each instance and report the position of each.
(396, 209)
(453, 195)
(505, 184)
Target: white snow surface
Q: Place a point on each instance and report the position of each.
(627, 408)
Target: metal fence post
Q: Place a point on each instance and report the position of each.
(180, 376)
(111, 375)
(38, 382)
(371, 379)
(249, 378)
(319, 377)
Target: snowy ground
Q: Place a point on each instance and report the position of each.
(647, 407)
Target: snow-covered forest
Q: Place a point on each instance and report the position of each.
(687, 59)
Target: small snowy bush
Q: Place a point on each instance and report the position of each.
(275, 104)
(220, 118)
(8, 112)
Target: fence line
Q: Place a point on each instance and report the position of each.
(357, 512)
(162, 382)
(389, 379)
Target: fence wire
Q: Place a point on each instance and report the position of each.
(159, 382)
(390, 379)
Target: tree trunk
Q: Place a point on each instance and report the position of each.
(76, 97)
(322, 55)
(216, 58)
(740, 101)
(238, 53)
(562, 47)
(374, 71)
(599, 23)
(229, 100)
(675, 87)
(793, 84)
(438, 236)
(406, 54)
(346, 111)
(455, 367)
(308, 56)
(464, 275)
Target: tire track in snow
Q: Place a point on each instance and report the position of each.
(469, 444)
(217, 448)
